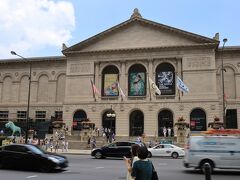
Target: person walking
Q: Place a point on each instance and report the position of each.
(129, 162)
(143, 168)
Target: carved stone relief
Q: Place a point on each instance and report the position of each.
(198, 62)
(93, 108)
(213, 107)
(80, 68)
(121, 107)
(181, 107)
(150, 107)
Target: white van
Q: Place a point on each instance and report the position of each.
(219, 151)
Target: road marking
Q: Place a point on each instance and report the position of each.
(29, 177)
(99, 167)
(67, 171)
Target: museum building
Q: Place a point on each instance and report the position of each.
(106, 78)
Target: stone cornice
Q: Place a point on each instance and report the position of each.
(191, 46)
(230, 48)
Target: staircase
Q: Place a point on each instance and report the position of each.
(78, 142)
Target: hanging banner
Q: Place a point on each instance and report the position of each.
(166, 82)
(137, 84)
(111, 85)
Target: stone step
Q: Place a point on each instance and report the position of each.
(83, 145)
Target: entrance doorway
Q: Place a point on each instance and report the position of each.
(78, 117)
(165, 119)
(136, 123)
(109, 120)
(198, 120)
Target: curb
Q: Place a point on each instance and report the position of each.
(76, 152)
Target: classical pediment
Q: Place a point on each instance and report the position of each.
(138, 33)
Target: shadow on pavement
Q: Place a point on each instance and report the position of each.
(216, 172)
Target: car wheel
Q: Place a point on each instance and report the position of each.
(1, 164)
(175, 155)
(98, 155)
(206, 164)
(149, 154)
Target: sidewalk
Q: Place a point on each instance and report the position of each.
(75, 151)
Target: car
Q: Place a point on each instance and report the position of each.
(167, 150)
(29, 156)
(115, 149)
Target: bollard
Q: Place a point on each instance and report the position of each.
(207, 171)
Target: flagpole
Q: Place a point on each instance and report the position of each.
(178, 95)
(149, 88)
(93, 91)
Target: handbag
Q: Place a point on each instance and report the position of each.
(154, 173)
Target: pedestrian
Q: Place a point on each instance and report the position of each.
(142, 169)
(169, 131)
(129, 162)
(164, 131)
(88, 142)
(93, 142)
(56, 146)
(139, 140)
(66, 145)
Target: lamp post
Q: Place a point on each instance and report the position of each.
(29, 91)
(223, 91)
(111, 115)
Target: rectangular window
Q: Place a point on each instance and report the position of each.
(21, 116)
(58, 115)
(3, 115)
(40, 116)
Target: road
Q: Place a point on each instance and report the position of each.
(83, 167)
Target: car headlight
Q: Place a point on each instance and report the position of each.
(53, 159)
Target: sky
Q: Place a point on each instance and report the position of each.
(37, 28)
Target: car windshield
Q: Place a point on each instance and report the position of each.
(36, 150)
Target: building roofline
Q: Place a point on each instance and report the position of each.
(33, 59)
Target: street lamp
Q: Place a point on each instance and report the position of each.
(111, 115)
(29, 91)
(223, 92)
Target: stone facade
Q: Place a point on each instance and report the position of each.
(63, 83)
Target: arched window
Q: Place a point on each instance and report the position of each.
(198, 120)
(43, 89)
(165, 78)
(230, 83)
(136, 123)
(61, 88)
(78, 117)
(23, 94)
(110, 75)
(165, 119)
(7, 90)
(137, 80)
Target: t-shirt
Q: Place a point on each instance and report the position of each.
(142, 170)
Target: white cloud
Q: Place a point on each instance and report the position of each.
(28, 26)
